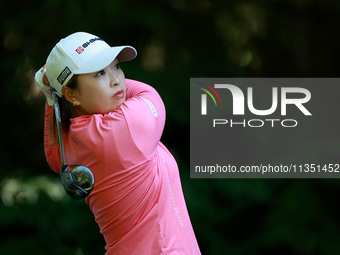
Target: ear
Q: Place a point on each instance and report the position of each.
(69, 94)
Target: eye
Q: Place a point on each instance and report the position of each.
(100, 73)
(117, 66)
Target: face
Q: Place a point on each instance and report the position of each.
(100, 92)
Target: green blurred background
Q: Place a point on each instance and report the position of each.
(175, 40)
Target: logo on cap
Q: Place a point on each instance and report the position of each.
(79, 50)
(63, 75)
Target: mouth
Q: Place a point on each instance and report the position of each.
(119, 94)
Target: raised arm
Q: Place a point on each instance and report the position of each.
(52, 152)
(145, 115)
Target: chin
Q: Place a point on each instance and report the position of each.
(116, 107)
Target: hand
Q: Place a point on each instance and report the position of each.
(42, 82)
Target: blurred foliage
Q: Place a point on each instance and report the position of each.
(175, 40)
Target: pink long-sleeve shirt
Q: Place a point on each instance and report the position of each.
(137, 199)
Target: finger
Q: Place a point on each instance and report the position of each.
(43, 68)
(45, 80)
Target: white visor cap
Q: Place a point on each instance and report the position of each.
(81, 53)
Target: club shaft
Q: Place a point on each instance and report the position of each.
(58, 119)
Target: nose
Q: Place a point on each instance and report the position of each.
(114, 79)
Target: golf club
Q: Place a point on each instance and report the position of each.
(77, 180)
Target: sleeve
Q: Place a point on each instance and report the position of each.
(144, 114)
(52, 152)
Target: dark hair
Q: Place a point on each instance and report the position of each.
(66, 112)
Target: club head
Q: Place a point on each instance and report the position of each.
(78, 181)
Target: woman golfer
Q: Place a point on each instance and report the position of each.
(113, 126)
